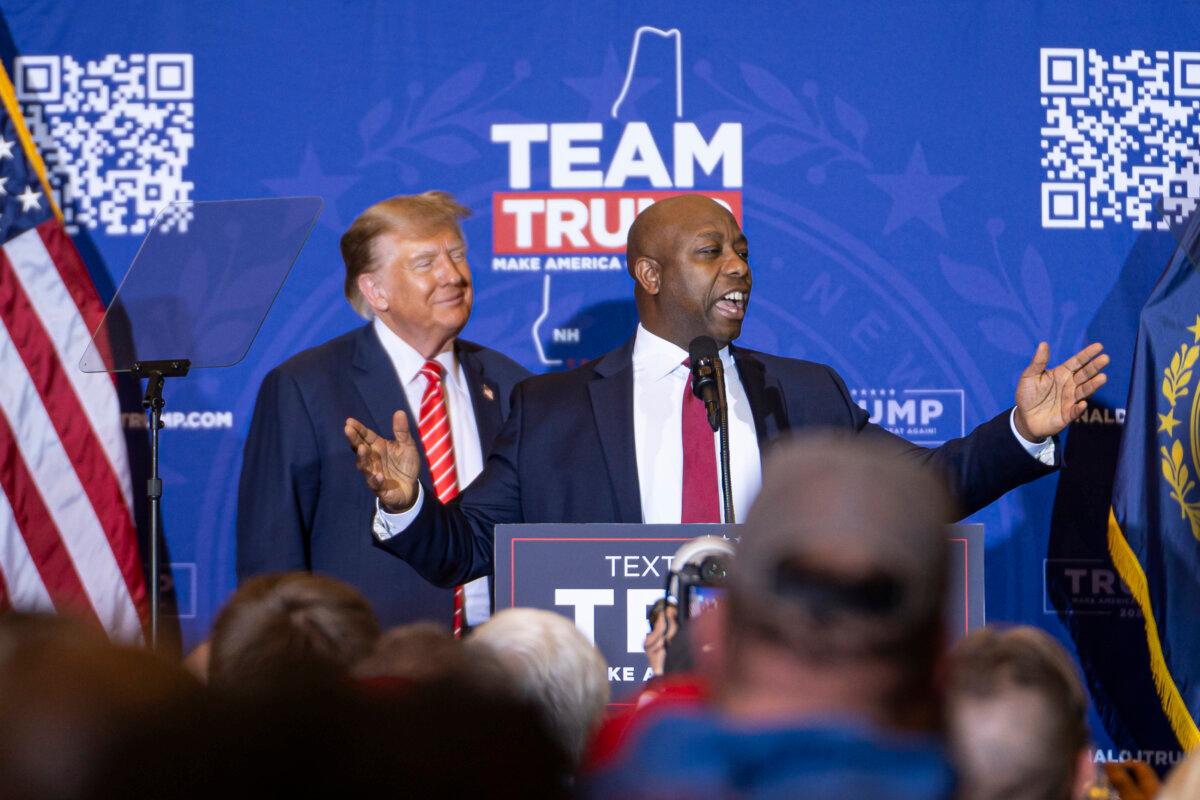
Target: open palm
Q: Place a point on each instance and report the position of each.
(391, 466)
(1050, 400)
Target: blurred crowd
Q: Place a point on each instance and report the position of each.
(823, 672)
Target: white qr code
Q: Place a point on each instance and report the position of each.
(1119, 141)
(115, 134)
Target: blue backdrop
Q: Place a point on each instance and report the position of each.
(928, 189)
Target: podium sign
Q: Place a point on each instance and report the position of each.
(606, 576)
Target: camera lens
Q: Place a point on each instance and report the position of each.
(713, 569)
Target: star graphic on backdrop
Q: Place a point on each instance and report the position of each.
(6, 148)
(603, 90)
(1195, 329)
(1167, 423)
(29, 199)
(916, 193)
(3, 186)
(311, 179)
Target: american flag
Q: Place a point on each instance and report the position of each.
(67, 537)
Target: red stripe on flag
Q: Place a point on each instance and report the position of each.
(80, 442)
(37, 527)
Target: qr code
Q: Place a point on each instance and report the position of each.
(115, 134)
(1119, 144)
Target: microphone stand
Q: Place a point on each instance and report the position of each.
(726, 477)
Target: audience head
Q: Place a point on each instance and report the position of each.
(75, 709)
(289, 627)
(1017, 717)
(406, 263)
(839, 582)
(1183, 783)
(553, 665)
(416, 653)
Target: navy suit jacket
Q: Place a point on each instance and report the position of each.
(567, 454)
(302, 505)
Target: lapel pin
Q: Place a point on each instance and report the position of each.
(488, 393)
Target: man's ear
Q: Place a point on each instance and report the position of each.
(1085, 774)
(372, 292)
(648, 273)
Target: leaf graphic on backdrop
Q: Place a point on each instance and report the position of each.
(1035, 280)
(779, 149)
(849, 118)
(481, 124)
(447, 148)
(371, 124)
(977, 285)
(775, 94)
(1006, 336)
(709, 120)
(451, 94)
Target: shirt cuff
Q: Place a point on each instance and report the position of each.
(386, 525)
(1043, 451)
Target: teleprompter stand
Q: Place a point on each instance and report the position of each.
(155, 373)
(195, 297)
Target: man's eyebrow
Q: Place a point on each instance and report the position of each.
(708, 234)
(423, 254)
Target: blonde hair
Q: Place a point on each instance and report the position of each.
(415, 215)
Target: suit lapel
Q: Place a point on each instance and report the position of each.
(765, 396)
(379, 387)
(612, 408)
(485, 396)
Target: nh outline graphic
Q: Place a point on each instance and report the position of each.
(672, 33)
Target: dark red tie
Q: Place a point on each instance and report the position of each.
(701, 501)
(434, 427)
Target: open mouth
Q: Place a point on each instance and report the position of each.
(733, 304)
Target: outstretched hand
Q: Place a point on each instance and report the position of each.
(391, 466)
(1050, 400)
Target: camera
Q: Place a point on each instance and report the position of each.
(698, 573)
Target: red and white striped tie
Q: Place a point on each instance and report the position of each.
(434, 427)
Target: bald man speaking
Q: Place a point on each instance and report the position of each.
(623, 438)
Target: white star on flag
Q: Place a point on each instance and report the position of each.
(3, 187)
(6, 148)
(29, 199)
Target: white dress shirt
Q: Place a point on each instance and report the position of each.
(659, 380)
(464, 433)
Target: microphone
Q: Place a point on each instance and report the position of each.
(706, 365)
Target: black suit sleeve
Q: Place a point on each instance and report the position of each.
(279, 484)
(979, 467)
(451, 544)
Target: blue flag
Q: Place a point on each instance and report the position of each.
(1154, 523)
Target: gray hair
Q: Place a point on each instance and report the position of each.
(553, 665)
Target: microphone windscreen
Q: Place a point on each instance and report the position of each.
(702, 347)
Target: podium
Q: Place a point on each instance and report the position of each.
(605, 577)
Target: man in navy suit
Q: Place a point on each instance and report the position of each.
(621, 439)
(300, 504)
